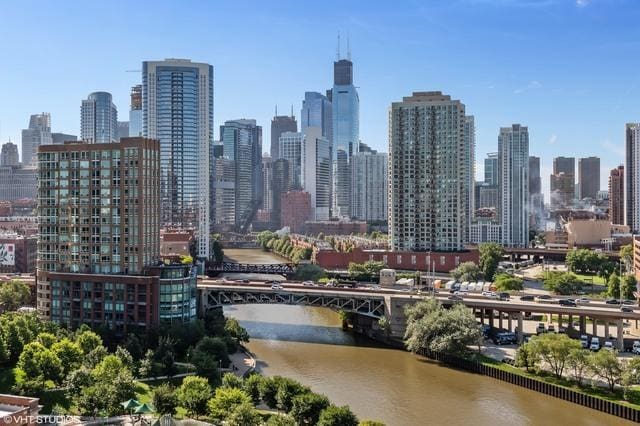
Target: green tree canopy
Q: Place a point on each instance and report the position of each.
(88, 341)
(613, 286)
(466, 271)
(306, 408)
(555, 350)
(165, 399)
(561, 282)
(225, 400)
(490, 256)
(309, 271)
(244, 414)
(251, 385)
(628, 286)
(337, 416)
(14, 294)
(606, 365)
(233, 328)
(193, 394)
(506, 282)
(368, 271)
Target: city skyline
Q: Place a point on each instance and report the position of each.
(497, 96)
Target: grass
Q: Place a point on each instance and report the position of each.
(597, 391)
(589, 278)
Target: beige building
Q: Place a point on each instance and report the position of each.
(592, 232)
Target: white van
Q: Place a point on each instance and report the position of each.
(595, 344)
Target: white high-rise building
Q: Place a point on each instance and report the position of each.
(429, 171)
(513, 152)
(291, 150)
(470, 153)
(99, 119)
(38, 133)
(177, 109)
(632, 177)
(369, 183)
(316, 171)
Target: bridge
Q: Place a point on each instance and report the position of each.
(550, 254)
(390, 304)
(214, 295)
(249, 268)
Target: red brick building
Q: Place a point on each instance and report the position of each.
(25, 252)
(335, 227)
(295, 210)
(415, 261)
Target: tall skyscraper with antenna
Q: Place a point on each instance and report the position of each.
(279, 125)
(346, 128)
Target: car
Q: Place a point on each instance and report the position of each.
(542, 298)
(308, 283)
(461, 292)
(246, 281)
(540, 328)
(551, 328)
(455, 298)
(582, 301)
(276, 287)
(608, 345)
(505, 338)
(504, 296)
(612, 302)
(584, 341)
(527, 298)
(629, 302)
(567, 302)
(626, 309)
(636, 347)
(595, 344)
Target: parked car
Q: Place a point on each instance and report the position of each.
(584, 341)
(567, 302)
(612, 302)
(527, 298)
(636, 347)
(540, 328)
(505, 339)
(626, 309)
(551, 328)
(486, 328)
(608, 345)
(595, 344)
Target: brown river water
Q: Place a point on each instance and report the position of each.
(386, 384)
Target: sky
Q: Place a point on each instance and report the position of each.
(567, 69)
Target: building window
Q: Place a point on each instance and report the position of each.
(457, 260)
(413, 259)
(399, 259)
(443, 260)
(384, 259)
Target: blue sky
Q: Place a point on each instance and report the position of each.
(568, 69)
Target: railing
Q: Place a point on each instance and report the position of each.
(580, 398)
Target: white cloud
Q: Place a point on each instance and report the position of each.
(553, 139)
(582, 3)
(532, 85)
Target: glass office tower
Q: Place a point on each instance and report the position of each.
(99, 119)
(177, 109)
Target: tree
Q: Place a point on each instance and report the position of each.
(366, 271)
(193, 395)
(306, 408)
(251, 385)
(268, 389)
(613, 286)
(431, 326)
(225, 400)
(606, 365)
(207, 356)
(46, 339)
(39, 364)
(125, 357)
(466, 271)
(337, 416)
(166, 355)
(165, 399)
(626, 256)
(264, 237)
(134, 346)
(281, 420)
(630, 375)
(309, 272)
(561, 282)
(370, 423)
(76, 381)
(233, 328)
(554, 349)
(230, 380)
(288, 389)
(88, 341)
(506, 282)
(14, 294)
(244, 415)
(628, 286)
(146, 364)
(490, 256)
(69, 353)
(218, 252)
(578, 362)
(527, 357)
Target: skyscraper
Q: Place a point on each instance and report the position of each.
(316, 171)
(317, 111)
(135, 111)
(536, 198)
(123, 129)
(428, 199)
(632, 177)
(513, 149)
(589, 177)
(566, 165)
(99, 119)
(470, 158)
(369, 182)
(242, 140)
(60, 138)
(616, 195)
(267, 181)
(491, 169)
(38, 133)
(346, 133)
(9, 155)
(177, 109)
(535, 185)
(279, 186)
(562, 182)
(279, 125)
(291, 150)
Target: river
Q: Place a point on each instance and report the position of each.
(386, 384)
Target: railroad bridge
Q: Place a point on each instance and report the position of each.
(286, 269)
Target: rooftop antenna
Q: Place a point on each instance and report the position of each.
(338, 48)
(276, 110)
(291, 110)
(348, 48)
